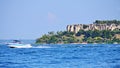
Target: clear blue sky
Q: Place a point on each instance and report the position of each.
(30, 19)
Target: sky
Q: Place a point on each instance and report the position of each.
(30, 19)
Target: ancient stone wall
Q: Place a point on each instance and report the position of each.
(76, 27)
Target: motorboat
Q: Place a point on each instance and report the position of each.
(18, 44)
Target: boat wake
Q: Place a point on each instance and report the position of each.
(42, 47)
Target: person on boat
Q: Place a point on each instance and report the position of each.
(16, 41)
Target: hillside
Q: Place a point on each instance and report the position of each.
(81, 36)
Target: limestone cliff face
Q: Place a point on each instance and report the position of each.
(76, 27)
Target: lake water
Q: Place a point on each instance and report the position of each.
(60, 56)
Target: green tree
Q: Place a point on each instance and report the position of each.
(80, 32)
(90, 40)
(51, 33)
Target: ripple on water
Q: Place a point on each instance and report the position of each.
(74, 56)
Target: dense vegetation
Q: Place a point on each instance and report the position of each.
(59, 37)
(97, 36)
(90, 36)
(107, 22)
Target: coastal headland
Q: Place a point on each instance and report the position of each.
(101, 31)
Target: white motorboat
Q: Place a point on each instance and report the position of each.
(18, 44)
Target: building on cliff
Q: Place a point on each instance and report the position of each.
(76, 27)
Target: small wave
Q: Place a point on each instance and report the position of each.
(42, 47)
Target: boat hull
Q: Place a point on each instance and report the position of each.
(20, 46)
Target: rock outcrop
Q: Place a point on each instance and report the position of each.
(76, 27)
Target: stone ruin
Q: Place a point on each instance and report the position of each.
(76, 27)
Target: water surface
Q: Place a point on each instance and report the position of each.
(61, 56)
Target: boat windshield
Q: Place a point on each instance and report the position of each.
(16, 41)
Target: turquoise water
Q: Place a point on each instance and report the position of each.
(60, 56)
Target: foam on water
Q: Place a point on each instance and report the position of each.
(42, 47)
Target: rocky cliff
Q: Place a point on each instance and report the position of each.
(76, 27)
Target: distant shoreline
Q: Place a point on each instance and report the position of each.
(106, 31)
(75, 43)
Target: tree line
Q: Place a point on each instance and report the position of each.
(108, 22)
(96, 36)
